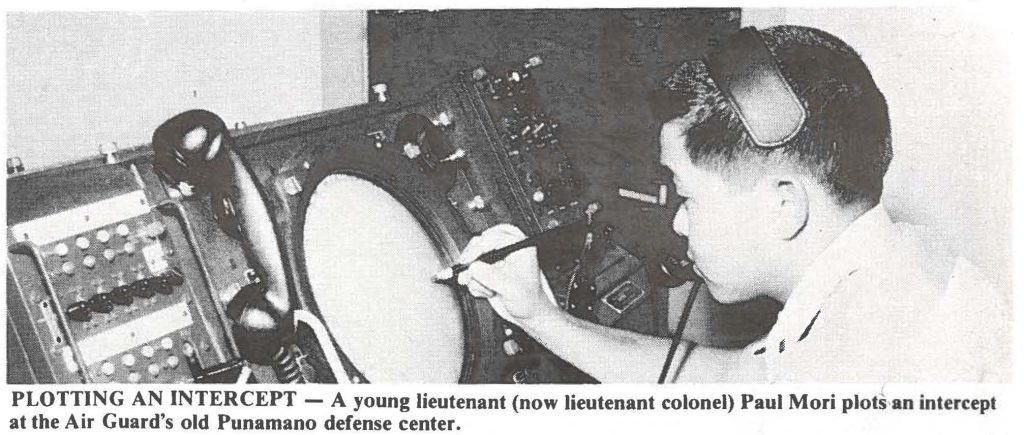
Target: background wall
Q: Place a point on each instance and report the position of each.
(946, 78)
(77, 80)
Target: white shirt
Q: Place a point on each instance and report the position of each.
(876, 306)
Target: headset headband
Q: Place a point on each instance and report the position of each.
(748, 75)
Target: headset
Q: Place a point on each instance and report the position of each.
(748, 75)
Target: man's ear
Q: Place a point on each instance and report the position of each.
(788, 207)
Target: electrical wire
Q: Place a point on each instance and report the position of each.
(678, 337)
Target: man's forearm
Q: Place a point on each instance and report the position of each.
(607, 354)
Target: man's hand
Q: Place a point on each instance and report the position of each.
(515, 286)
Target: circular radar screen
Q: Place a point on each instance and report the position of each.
(370, 264)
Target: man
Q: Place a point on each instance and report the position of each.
(787, 208)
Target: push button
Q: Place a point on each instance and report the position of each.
(172, 362)
(154, 370)
(134, 377)
(82, 243)
(147, 351)
(128, 360)
(103, 236)
(107, 368)
(166, 343)
(61, 249)
(122, 230)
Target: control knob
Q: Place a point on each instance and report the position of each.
(144, 288)
(121, 295)
(79, 312)
(101, 303)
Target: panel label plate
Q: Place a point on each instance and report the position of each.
(78, 220)
(135, 333)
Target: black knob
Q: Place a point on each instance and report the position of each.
(174, 277)
(101, 303)
(121, 295)
(79, 312)
(163, 285)
(143, 288)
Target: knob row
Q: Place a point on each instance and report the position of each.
(125, 294)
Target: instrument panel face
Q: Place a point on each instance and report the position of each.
(109, 291)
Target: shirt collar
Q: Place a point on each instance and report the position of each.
(856, 245)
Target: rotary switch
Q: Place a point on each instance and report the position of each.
(79, 312)
(121, 295)
(101, 303)
(144, 288)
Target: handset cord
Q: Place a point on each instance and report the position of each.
(678, 337)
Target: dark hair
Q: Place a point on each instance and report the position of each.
(845, 143)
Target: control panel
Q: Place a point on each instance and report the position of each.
(112, 295)
(591, 276)
(546, 176)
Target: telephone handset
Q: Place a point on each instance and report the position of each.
(193, 153)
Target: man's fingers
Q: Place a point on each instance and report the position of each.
(482, 280)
